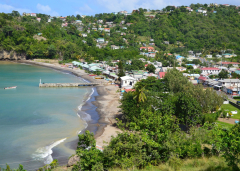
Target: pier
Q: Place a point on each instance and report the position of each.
(42, 85)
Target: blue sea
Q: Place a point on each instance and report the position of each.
(33, 120)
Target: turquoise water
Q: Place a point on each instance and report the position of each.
(34, 120)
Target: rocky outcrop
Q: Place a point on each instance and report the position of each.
(5, 55)
(73, 160)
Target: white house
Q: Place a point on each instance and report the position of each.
(209, 56)
(229, 82)
(113, 47)
(99, 21)
(33, 14)
(127, 82)
(100, 40)
(84, 34)
(208, 71)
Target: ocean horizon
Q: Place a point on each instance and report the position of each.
(33, 120)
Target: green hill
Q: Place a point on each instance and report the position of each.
(217, 29)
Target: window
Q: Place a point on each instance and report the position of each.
(125, 82)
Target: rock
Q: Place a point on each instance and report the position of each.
(73, 160)
(5, 55)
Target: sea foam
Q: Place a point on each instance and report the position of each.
(45, 153)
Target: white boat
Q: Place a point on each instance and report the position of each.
(10, 87)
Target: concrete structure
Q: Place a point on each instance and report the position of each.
(128, 81)
(229, 82)
(100, 40)
(208, 71)
(66, 84)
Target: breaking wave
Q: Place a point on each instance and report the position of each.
(45, 153)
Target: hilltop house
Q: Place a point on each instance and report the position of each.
(128, 24)
(113, 47)
(235, 64)
(84, 34)
(78, 22)
(63, 18)
(33, 14)
(100, 40)
(107, 30)
(150, 49)
(227, 55)
(209, 56)
(166, 42)
(143, 48)
(64, 24)
(99, 21)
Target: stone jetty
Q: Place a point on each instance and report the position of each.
(67, 84)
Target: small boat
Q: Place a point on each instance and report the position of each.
(10, 87)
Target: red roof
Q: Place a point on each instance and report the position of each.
(106, 28)
(150, 48)
(161, 74)
(146, 65)
(127, 90)
(210, 68)
(143, 47)
(226, 63)
(202, 78)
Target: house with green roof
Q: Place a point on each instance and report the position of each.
(227, 55)
(100, 40)
(95, 68)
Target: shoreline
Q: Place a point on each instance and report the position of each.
(104, 98)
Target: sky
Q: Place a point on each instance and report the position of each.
(92, 7)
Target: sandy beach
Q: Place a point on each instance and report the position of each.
(107, 102)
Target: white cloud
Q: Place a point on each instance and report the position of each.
(129, 5)
(85, 9)
(8, 8)
(45, 9)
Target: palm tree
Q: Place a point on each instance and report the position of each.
(139, 94)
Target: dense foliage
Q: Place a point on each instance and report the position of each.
(161, 123)
(183, 30)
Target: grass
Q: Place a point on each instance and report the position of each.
(202, 164)
(225, 125)
(229, 108)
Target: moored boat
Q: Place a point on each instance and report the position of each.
(10, 87)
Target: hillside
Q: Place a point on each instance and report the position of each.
(201, 28)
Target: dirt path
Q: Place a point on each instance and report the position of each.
(230, 120)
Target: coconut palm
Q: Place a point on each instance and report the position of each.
(139, 94)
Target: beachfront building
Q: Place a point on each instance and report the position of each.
(127, 82)
(210, 71)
